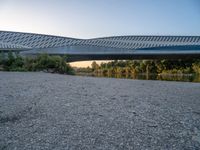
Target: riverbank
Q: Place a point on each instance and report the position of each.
(143, 76)
(52, 111)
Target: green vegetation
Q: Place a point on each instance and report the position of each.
(43, 62)
(128, 68)
(148, 67)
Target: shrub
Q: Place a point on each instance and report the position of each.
(196, 67)
(43, 62)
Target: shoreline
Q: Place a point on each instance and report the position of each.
(112, 77)
(153, 77)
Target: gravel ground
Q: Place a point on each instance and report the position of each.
(51, 111)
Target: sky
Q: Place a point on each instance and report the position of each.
(100, 18)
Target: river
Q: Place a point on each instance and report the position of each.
(165, 77)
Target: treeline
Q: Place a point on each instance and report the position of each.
(54, 64)
(57, 64)
(148, 67)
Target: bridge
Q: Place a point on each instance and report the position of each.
(106, 48)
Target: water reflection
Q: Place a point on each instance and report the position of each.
(166, 77)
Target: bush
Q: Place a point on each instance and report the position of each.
(196, 67)
(2, 58)
(43, 62)
(186, 66)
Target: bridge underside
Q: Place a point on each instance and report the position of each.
(77, 53)
(73, 58)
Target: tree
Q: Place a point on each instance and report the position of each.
(196, 67)
(95, 66)
(2, 58)
(11, 58)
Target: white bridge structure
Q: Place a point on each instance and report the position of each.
(106, 48)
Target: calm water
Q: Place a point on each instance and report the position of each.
(167, 77)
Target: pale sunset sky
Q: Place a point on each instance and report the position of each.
(100, 18)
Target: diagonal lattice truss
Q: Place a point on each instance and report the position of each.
(22, 41)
